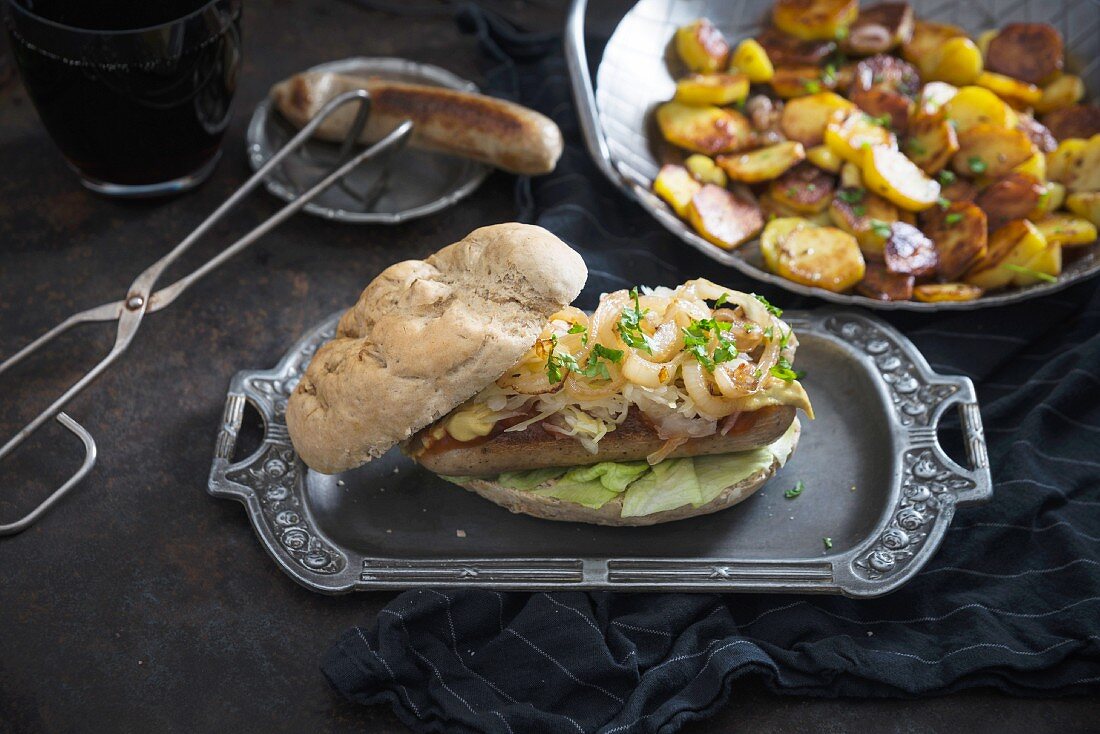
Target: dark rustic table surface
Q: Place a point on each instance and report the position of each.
(142, 604)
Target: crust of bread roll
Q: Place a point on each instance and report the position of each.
(634, 440)
(485, 129)
(549, 508)
(424, 337)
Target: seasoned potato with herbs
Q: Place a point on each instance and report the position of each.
(866, 217)
(991, 150)
(973, 106)
(1044, 266)
(1013, 196)
(787, 50)
(882, 285)
(851, 135)
(804, 118)
(1075, 121)
(712, 89)
(954, 188)
(752, 60)
(706, 130)
(762, 164)
(1010, 248)
(804, 189)
(1085, 204)
(796, 81)
(1030, 52)
(704, 170)
(775, 232)
(1062, 92)
(723, 217)
(923, 48)
(676, 186)
(959, 233)
(934, 95)
(1061, 161)
(879, 28)
(888, 173)
(1076, 163)
(1066, 230)
(932, 141)
(946, 292)
(909, 251)
(1052, 199)
(825, 257)
(1006, 86)
(815, 20)
(824, 158)
(702, 47)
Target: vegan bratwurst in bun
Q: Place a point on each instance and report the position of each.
(659, 405)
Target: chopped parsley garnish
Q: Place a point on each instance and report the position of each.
(630, 325)
(769, 333)
(881, 228)
(785, 339)
(783, 371)
(881, 120)
(943, 203)
(611, 355)
(1028, 271)
(812, 86)
(915, 146)
(722, 299)
(792, 191)
(582, 330)
(859, 210)
(946, 177)
(842, 33)
(558, 364)
(811, 187)
(829, 75)
(828, 543)
(977, 165)
(851, 196)
(795, 490)
(773, 310)
(697, 336)
(953, 218)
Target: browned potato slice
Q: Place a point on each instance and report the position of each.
(882, 285)
(960, 235)
(706, 130)
(773, 209)
(879, 28)
(1010, 197)
(885, 104)
(940, 292)
(1076, 121)
(1037, 133)
(865, 216)
(923, 48)
(676, 186)
(805, 189)
(1076, 163)
(724, 218)
(909, 252)
(704, 170)
(991, 150)
(885, 71)
(824, 158)
(1008, 88)
(934, 95)
(814, 20)
(1085, 204)
(764, 114)
(932, 140)
(824, 257)
(712, 89)
(958, 62)
(762, 164)
(786, 50)
(960, 189)
(1062, 92)
(752, 60)
(702, 47)
(851, 135)
(1030, 52)
(796, 81)
(972, 106)
(1066, 230)
(1046, 263)
(804, 118)
(1065, 159)
(1014, 244)
(888, 173)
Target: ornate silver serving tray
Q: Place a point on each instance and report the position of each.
(878, 485)
(637, 71)
(416, 183)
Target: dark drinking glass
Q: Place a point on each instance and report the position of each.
(136, 93)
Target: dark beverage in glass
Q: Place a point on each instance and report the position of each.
(136, 93)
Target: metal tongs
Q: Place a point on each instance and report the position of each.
(140, 298)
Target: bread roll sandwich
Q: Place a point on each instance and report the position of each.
(659, 405)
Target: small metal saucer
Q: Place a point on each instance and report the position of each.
(416, 182)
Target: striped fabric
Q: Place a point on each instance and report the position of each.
(1012, 599)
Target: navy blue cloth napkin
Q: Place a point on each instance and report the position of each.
(1011, 601)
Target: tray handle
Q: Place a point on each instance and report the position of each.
(584, 96)
(977, 454)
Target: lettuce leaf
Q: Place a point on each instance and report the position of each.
(531, 478)
(668, 485)
(612, 475)
(590, 494)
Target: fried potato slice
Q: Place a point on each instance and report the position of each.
(1066, 230)
(707, 130)
(762, 164)
(1015, 245)
(932, 140)
(1046, 263)
(888, 173)
(909, 251)
(946, 292)
(882, 285)
(796, 81)
(1076, 163)
(775, 232)
(934, 95)
(804, 118)
(723, 217)
(959, 233)
(850, 135)
(676, 186)
(991, 151)
(804, 189)
(702, 47)
(1085, 204)
(752, 60)
(786, 50)
(704, 170)
(1013, 196)
(1074, 121)
(1031, 52)
(814, 20)
(928, 38)
(1062, 92)
(879, 28)
(824, 158)
(712, 89)
(958, 61)
(972, 106)
(1037, 133)
(1006, 86)
(825, 257)
(865, 216)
